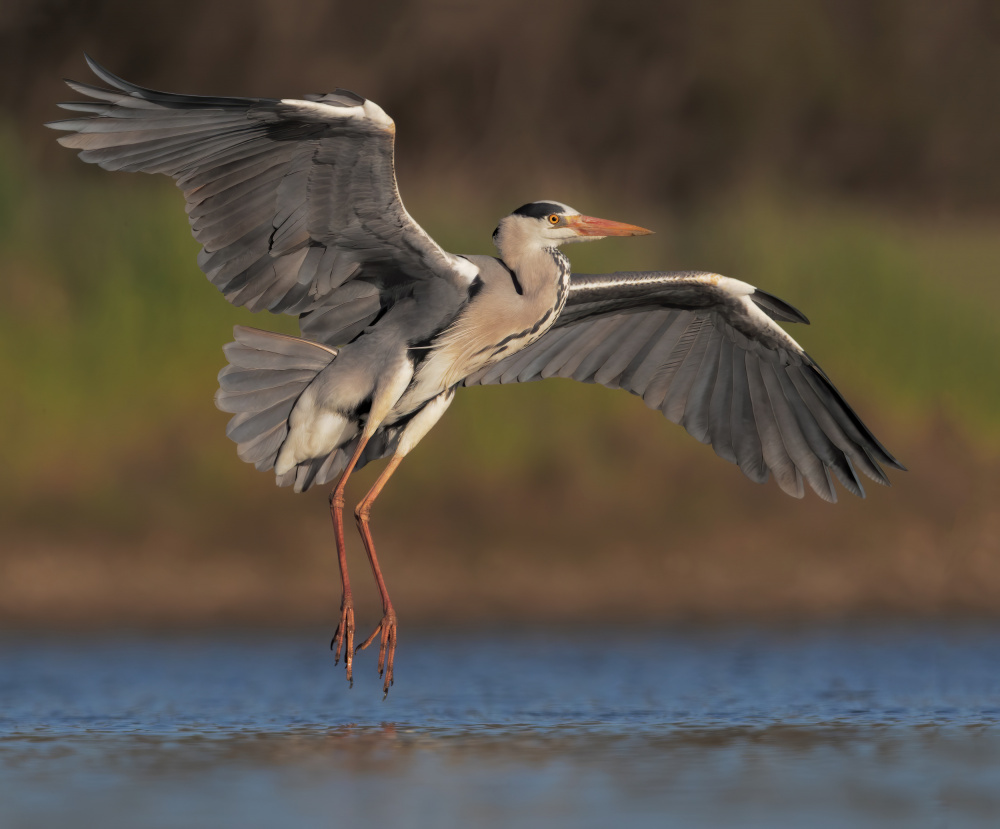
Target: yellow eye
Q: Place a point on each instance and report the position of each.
(554, 219)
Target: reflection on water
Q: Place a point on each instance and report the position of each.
(846, 727)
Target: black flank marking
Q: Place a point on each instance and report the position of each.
(418, 353)
(421, 349)
(475, 287)
(381, 313)
(363, 408)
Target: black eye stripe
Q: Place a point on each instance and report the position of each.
(537, 209)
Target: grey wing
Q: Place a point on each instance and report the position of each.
(705, 350)
(294, 201)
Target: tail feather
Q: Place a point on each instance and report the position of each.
(307, 473)
(293, 347)
(251, 401)
(263, 448)
(247, 425)
(256, 357)
(266, 375)
(318, 470)
(233, 379)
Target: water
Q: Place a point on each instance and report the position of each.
(856, 727)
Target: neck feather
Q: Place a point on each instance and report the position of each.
(534, 259)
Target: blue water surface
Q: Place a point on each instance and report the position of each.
(871, 725)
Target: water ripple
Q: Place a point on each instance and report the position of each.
(820, 727)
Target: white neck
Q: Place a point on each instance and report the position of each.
(523, 246)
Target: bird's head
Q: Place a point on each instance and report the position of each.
(551, 223)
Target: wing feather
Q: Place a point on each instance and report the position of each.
(707, 352)
(668, 335)
(746, 430)
(639, 332)
(265, 180)
(676, 399)
(567, 360)
(532, 364)
(720, 409)
(807, 462)
(663, 379)
(697, 413)
(600, 352)
(773, 451)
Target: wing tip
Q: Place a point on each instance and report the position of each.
(777, 308)
(103, 73)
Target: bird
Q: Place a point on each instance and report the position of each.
(296, 207)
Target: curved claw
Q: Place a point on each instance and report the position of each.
(387, 648)
(345, 630)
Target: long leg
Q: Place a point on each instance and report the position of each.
(345, 629)
(383, 400)
(415, 430)
(388, 624)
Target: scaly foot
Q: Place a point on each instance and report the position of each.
(345, 630)
(387, 647)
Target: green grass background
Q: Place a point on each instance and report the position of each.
(110, 336)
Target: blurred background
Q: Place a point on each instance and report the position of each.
(843, 155)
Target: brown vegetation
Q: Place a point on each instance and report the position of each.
(668, 101)
(663, 534)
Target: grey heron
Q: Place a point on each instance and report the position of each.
(296, 206)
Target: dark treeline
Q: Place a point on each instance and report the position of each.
(672, 101)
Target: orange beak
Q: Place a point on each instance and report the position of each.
(591, 226)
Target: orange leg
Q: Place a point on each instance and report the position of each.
(345, 630)
(414, 431)
(387, 627)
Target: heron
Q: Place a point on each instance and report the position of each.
(296, 206)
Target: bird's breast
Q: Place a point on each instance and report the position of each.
(497, 323)
(543, 309)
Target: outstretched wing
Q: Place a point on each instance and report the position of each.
(705, 350)
(294, 201)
